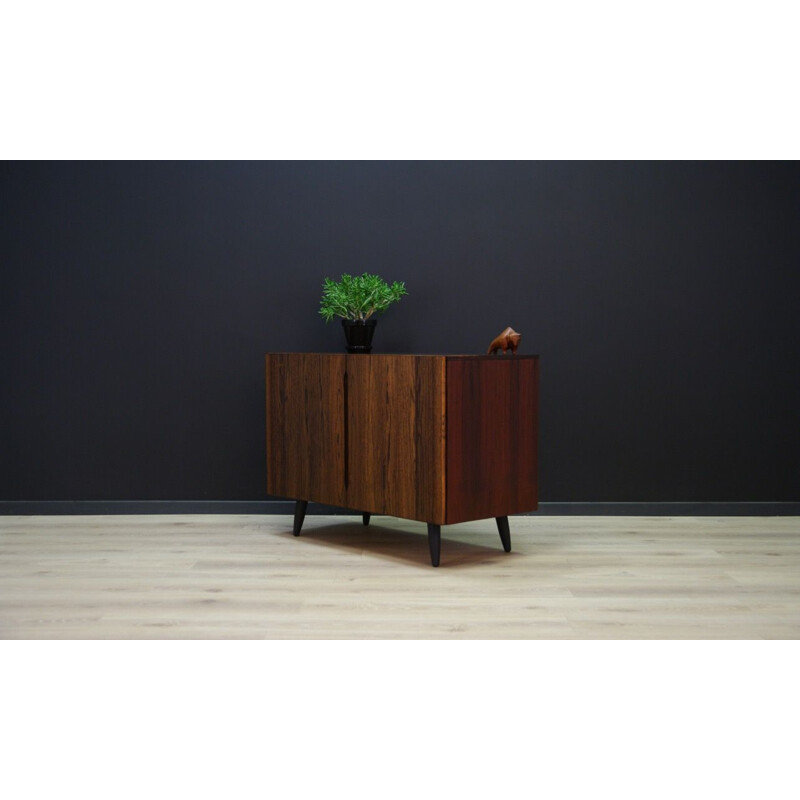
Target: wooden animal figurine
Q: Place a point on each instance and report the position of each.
(508, 339)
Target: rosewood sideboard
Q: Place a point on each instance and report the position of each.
(439, 439)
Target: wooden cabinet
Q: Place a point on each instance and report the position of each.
(440, 439)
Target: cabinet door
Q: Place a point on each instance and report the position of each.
(306, 427)
(395, 436)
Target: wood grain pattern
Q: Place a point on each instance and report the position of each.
(305, 427)
(396, 434)
(492, 437)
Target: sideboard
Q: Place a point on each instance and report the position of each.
(439, 439)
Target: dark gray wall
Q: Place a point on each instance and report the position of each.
(137, 301)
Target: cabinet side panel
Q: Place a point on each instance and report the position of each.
(396, 436)
(305, 427)
(492, 437)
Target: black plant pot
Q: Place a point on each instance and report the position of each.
(359, 334)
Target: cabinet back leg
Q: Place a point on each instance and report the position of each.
(434, 542)
(300, 507)
(505, 534)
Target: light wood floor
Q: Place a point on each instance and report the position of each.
(214, 577)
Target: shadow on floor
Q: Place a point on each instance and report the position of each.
(409, 546)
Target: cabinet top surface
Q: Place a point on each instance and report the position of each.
(411, 355)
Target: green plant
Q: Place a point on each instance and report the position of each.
(358, 297)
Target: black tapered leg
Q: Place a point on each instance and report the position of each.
(434, 542)
(299, 515)
(505, 533)
(365, 517)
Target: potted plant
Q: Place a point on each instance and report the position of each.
(355, 299)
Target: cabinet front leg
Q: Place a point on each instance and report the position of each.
(365, 517)
(505, 533)
(300, 507)
(434, 542)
